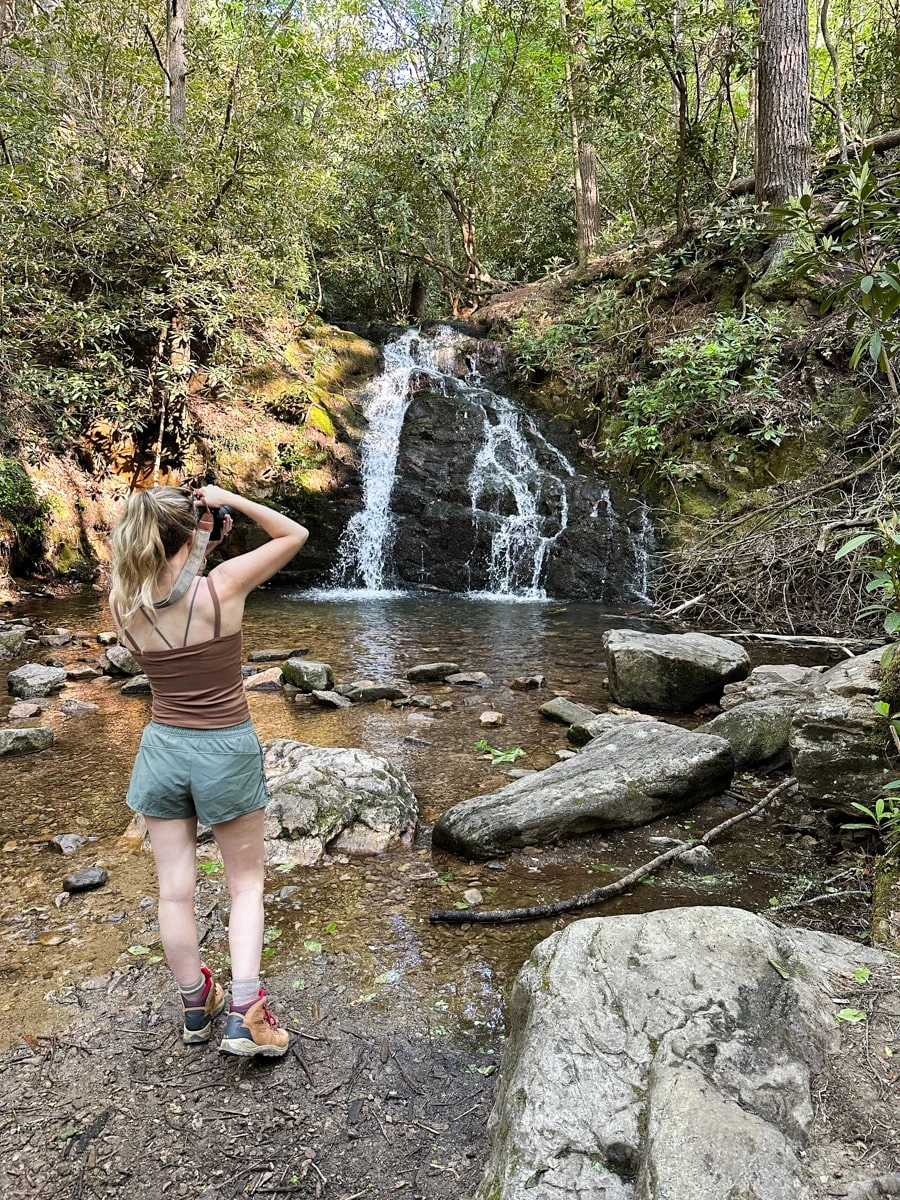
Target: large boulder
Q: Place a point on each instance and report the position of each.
(666, 1056)
(770, 680)
(307, 675)
(336, 798)
(855, 677)
(33, 680)
(12, 640)
(626, 777)
(671, 672)
(841, 751)
(25, 741)
(757, 732)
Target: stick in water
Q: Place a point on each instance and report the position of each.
(455, 916)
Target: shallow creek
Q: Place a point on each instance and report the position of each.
(357, 928)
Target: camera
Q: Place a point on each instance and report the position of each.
(218, 516)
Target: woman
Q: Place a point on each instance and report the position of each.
(200, 758)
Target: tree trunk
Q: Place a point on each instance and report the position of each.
(782, 113)
(418, 298)
(584, 153)
(176, 62)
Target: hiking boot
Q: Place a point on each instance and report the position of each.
(198, 1020)
(254, 1032)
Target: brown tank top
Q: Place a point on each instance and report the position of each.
(199, 686)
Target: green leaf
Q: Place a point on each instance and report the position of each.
(138, 949)
(780, 968)
(852, 1016)
(855, 542)
(299, 985)
(155, 958)
(866, 284)
(211, 866)
(861, 974)
(331, 927)
(390, 976)
(312, 946)
(285, 867)
(875, 344)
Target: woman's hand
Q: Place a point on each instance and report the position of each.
(212, 496)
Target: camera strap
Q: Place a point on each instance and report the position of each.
(192, 564)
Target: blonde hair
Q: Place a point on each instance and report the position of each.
(157, 523)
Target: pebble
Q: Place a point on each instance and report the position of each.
(61, 899)
(472, 896)
(147, 902)
(526, 683)
(138, 685)
(107, 639)
(23, 710)
(417, 741)
(469, 679)
(562, 755)
(521, 772)
(492, 718)
(72, 707)
(86, 879)
(82, 672)
(532, 851)
(290, 889)
(67, 843)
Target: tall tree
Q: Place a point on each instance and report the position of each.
(782, 110)
(584, 152)
(177, 71)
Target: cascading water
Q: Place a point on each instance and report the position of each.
(493, 510)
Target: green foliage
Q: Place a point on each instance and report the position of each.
(499, 756)
(878, 556)
(21, 507)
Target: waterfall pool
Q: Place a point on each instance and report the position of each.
(359, 927)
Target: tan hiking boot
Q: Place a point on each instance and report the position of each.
(198, 1021)
(254, 1032)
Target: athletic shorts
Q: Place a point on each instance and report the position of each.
(213, 774)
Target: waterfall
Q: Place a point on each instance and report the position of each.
(497, 504)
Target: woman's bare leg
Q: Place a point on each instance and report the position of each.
(241, 843)
(174, 845)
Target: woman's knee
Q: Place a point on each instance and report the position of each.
(247, 884)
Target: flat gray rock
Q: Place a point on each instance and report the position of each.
(74, 708)
(33, 680)
(82, 673)
(331, 699)
(68, 843)
(623, 778)
(662, 1056)
(841, 751)
(25, 741)
(85, 880)
(369, 690)
(12, 641)
(855, 677)
(582, 732)
(758, 732)
(276, 656)
(671, 672)
(265, 681)
(566, 711)
(431, 672)
(469, 679)
(138, 685)
(770, 680)
(118, 660)
(308, 675)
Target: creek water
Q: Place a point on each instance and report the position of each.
(358, 927)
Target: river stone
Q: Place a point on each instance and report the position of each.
(257, 656)
(67, 843)
(82, 673)
(661, 1056)
(85, 880)
(623, 778)
(431, 672)
(107, 638)
(57, 639)
(469, 679)
(757, 731)
(841, 751)
(33, 680)
(265, 681)
(24, 710)
(25, 741)
(671, 672)
(308, 675)
(561, 709)
(858, 676)
(74, 708)
(582, 732)
(368, 690)
(770, 680)
(12, 641)
(138, 685)
(319, 795)
(118, 660)
(526, 683)
(699, 859)
(330, 699)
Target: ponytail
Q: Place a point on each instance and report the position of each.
(157, 523)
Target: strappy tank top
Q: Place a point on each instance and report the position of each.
(199, 686)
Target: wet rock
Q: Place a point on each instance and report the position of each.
(264, 656)
(492, 719)
(431, 672)
(75, 708)
(681, 1075)
(324, 796)
(841, 752)
(24, 710)
(138, 685)
(308, 675)
(766, 682)
(57, 639)
(623, 778)
(582, 732)
(247, 671)
(134, 836)
(53, 661)
(473, 897)
(855, 677)
(422, 700)
(265, 681)
(33, 680)
(25, 741)
(118, 660)
(82, 673)
(521, 772)
(699, 859)
(562, 755)
(526, 683)
(565, 711)
(85, 880)
(289, 890)
(108, 639)
(757, 731)
(469, 679)
(425, 718)
(369, 690)
(671, 672)
(12, 641)
(330, 699)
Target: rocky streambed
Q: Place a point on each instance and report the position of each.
(390, 1009)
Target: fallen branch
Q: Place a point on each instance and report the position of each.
(455, 916)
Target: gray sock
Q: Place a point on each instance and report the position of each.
(244, 992)
(193, 993)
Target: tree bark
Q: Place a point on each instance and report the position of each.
(782, 113)
(176, 62)
(584, 153)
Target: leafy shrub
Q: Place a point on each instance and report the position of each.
(21, 507)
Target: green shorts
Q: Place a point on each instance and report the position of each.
(213, 774)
